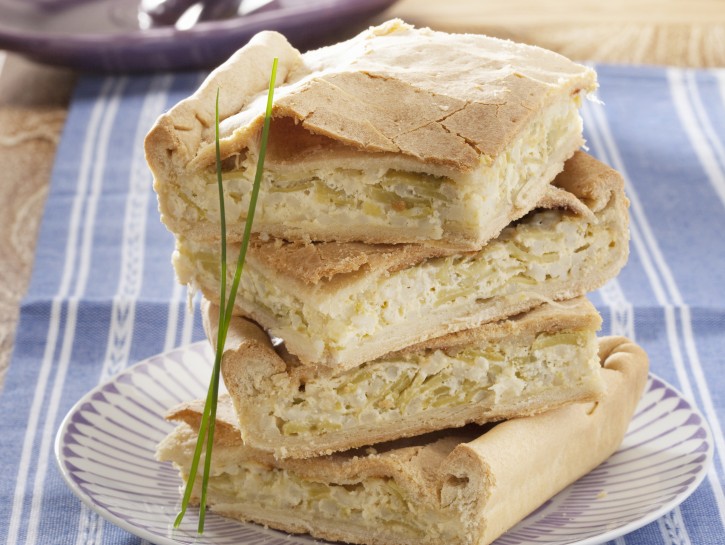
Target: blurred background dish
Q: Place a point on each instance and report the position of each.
(145, 35)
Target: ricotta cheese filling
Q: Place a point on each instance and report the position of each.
(545, 248)
(315, 197)
(249, 487)
(493, 375)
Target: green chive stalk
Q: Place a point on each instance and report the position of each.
(226, 307)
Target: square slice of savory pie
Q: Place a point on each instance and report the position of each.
(463, 487)
(524, 365)
(397, 135)
(342, 304)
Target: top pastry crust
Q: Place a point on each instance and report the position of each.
(444, 99)
(399, 135)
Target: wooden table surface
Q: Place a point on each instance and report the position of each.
(34, 98)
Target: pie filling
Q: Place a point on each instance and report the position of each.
(319, 199)
(370, 503)
(492, 375)
(545, 248)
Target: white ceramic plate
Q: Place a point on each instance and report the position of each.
(105, 449)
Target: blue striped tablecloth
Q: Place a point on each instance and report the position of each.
(103, 294)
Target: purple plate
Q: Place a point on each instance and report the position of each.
(120, 35)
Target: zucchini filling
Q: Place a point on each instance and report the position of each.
(488, 374)
(545, 247)
(314, 197)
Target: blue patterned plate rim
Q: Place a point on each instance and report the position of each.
(144, 391)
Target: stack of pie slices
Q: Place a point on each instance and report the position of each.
(412, 358)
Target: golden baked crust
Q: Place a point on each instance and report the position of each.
(317, 263)
(465, 486)
(468, 95)
(524, 365)
(346, 303)
(409, 100)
